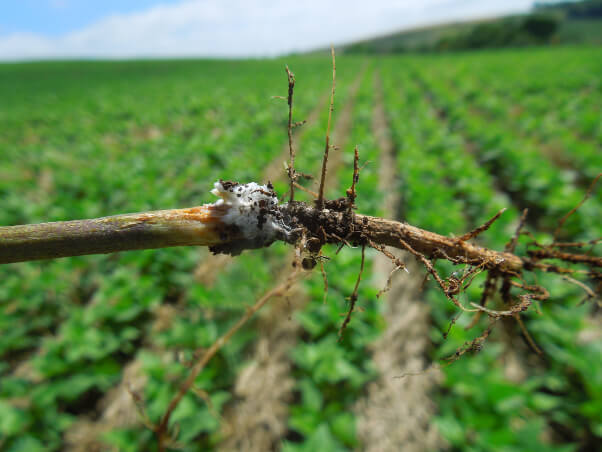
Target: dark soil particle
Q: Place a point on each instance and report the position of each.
(230, 185)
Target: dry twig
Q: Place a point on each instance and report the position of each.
(291, 168)
(574, 209)
(353, 297)
(327, 145)
(472, 234)
(162, 429)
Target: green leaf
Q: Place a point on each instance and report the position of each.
(343, 427)
(451, 429)
(545, 402)
(12, 420)
(311, 396)
(27, 444)
(322, 440)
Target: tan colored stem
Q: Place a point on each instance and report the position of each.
(156, 229)
(358, 228)
(201, 226)
(391, 233)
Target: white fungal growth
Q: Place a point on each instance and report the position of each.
(253, 210)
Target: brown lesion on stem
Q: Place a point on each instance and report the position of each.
(201, 226)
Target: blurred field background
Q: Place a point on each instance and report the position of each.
(453, 134)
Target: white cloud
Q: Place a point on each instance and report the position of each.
(235, 28)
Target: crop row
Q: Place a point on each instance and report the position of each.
(236, 286)
(91, 139)
(484, 404)
(561, 119)
(562, 85)
(331, 373)
(519, 167)
(156, 139)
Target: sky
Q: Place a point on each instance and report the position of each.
(46, 29)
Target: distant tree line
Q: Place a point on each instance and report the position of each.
(534, 29)
(588, 9)
(565, 22)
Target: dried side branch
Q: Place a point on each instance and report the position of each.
(353, 297)
(588, 291)
(324, 277)
(528, 338)
(473, 346)
(547, 253)
(511, 245)
(573, 244)
(291, 168)
(306, 190)
(574, 209)
(472, 234)
(327, 146)
(162, 429)
(488, 291)
(448, 290)
(492, 276)
(351, 193)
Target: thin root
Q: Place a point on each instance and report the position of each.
(574, 209)
(353, 297)
(472, 234)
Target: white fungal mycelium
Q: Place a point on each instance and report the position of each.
(253, 210)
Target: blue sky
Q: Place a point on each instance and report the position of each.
(53, 17)
(46, 29)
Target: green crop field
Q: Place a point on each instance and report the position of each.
(93, 348)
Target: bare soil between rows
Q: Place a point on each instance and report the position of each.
(395, 414)
(258, 420)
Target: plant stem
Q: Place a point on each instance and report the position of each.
(358, 228)
(156, 229)
(203, 226)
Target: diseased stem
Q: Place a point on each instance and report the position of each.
(202, 226)
(395, 234)
(155, 229)
(390, 233)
